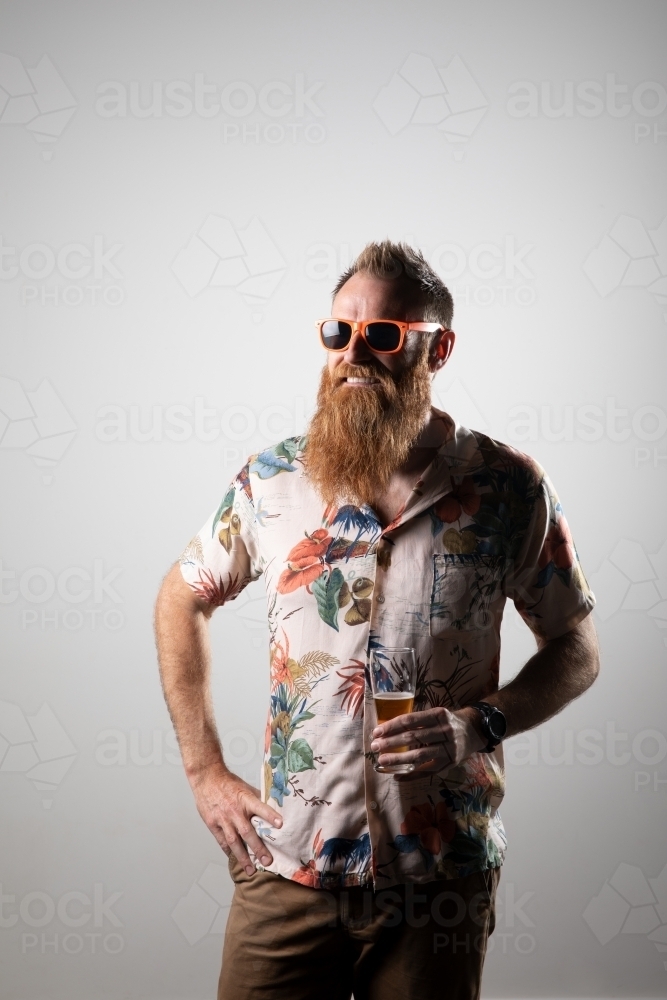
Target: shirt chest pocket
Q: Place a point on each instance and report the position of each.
(464, 588)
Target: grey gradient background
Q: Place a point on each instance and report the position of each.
(547, 229)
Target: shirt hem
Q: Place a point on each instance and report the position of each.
(567, 624)
(365, 880)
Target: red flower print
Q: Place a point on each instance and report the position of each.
(476, 774)
(462, 499)
(353, 687)
(433, 824)
(329, 514)
(307, 875)
(216, 592)
(304, 562)
(558, 547)
(280, 673)
(395, 522)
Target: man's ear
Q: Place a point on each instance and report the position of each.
(442, 349)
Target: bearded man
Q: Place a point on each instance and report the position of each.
(388, 526)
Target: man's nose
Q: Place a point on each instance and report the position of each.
(357, 350)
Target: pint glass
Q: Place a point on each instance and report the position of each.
(393, 676)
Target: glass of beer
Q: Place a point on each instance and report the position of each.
(393, 677)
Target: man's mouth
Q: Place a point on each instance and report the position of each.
(371, 380)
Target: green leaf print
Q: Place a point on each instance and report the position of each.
(288, 448)
(299, 757)
(279, 458)
(326, 591)
(226, 502)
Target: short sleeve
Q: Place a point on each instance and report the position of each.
(547, 583)
(224, 557)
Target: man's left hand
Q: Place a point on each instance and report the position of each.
(437, 740)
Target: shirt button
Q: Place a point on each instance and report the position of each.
(373, 804)
(380, 598)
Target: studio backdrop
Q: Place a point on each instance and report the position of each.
(182, 184)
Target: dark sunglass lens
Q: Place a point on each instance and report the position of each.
(336, 335)
(383, 336)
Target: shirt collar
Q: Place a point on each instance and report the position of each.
(456, 455)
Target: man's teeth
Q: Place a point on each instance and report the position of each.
(362, 381)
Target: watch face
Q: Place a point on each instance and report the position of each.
(497, 724)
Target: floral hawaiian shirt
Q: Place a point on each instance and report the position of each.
(483, 524)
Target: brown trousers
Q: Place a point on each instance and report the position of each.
(285, 941)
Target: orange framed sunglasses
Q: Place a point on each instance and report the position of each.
(383, 336)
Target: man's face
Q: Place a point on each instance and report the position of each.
(364, 297)
(370, 407)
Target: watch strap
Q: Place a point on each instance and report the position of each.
(485, 711)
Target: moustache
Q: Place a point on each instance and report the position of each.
(369, 370)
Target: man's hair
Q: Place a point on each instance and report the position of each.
(403, 262)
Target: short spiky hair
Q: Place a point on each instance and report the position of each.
(401, 261)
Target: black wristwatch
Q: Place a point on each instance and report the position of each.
(494, 725)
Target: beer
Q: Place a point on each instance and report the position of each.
(393, 667)
(389, 704)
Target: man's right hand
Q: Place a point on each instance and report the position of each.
(226, 803)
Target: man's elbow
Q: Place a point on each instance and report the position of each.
(589, 650)
(592, 667)
(578, 652)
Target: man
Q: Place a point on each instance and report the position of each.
(389, 525)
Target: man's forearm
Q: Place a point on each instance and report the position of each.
(225, 802)
(181, 631)
(559, 672)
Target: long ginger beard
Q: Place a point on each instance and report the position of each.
(360, 436)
